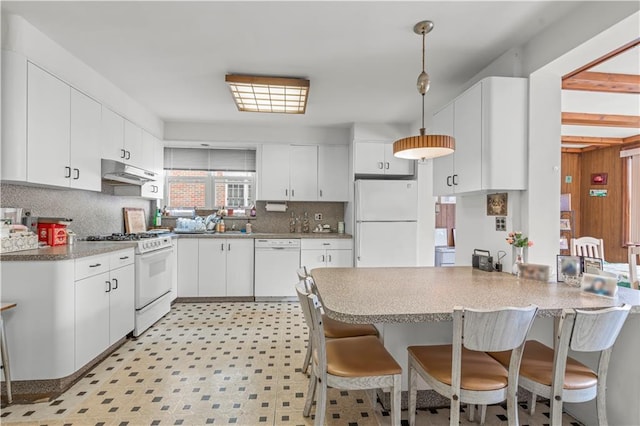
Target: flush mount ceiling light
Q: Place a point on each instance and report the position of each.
(423, 146)
(269, 94)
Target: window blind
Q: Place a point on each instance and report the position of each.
(227, 160)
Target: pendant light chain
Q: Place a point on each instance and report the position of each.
(424, 36)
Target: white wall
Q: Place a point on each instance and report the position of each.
(21, 37)
(426, 213)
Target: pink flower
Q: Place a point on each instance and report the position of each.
(511, 234)
(530, 243)
(510, 240)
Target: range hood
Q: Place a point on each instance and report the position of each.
(117, 173)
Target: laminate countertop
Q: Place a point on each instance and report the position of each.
(411, 295)
(265, 235)
(75, 251)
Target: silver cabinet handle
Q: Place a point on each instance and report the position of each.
(386, 166)
(455, 179)
(67, 172)
(123, 153)
(128, 157)
(321, 192)
(449, 181)
(77, 174)
(108, 290)
(286, 192)
(326, 244)
(329, 256)
(293, 192)
(95, 266)
(380, 165)
(229, 247)
(222, 247)
(115, 281)
(322, 258)
(124, 258)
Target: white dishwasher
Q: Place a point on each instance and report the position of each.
(276, 264)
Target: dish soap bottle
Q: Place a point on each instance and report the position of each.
(222, 226)
(157, 220)
(247, 228)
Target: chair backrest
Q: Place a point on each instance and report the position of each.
(597, 330)
(303, 293)
(588, 247)
(302, 273)
(634, 254)
(311, 306)
(495, 331)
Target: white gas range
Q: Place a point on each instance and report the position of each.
(153, 264)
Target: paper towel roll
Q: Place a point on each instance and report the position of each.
(276, 207)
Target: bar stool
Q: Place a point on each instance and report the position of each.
(4, 351)
(333, 329)
(357, 363)
(553, 375)
(463, 371)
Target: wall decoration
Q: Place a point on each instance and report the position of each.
(565, 224)
(565, 202)
(598, 192)
(568, 266)
(497, 204)
(592, 265)
(564, 244)
(599, 178)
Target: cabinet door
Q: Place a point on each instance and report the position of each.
(333, 173)
(187, 267)
(443, 166)
(468, 134)
(92, 317)
(369, 158)
(303, 177)
(121, 303)
(147, 155)
(396, 166)
(340, 258)
(311, 259)
(274, 173)
(212, 267)
(132, 143)
(112, 136)
(86, 117)
(48, 128)
(158, 167)
(239, 267)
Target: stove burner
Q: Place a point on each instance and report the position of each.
(121, 237)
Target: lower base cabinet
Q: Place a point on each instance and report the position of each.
(215, 267)
(326, 253)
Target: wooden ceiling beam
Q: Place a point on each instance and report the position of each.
(601, 120)
(566, 150)
(590, 140)
(616, 52)
(603, 82)
(631, 139)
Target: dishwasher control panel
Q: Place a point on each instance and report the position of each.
(280, 243)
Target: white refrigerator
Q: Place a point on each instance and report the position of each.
(386, 223)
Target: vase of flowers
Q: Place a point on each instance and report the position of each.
(519, 241)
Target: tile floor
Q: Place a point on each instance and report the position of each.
(216, 363)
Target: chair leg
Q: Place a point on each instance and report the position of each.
(395, 399)
(454, 418)
(601, 403)
(307, 358)
(5, 362)
(373, 397)
(470, 410)
(512, 410)
(311, 392)
(532, 403)
(413, 390)
(321, 405)
(556, 411)
(483, 414)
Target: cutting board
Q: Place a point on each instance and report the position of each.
(135, 220)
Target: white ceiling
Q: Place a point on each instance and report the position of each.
(362, 57)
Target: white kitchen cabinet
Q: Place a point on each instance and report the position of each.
(303, 173)
(92, 317)
(239, 268)
(112, 130)
(376, 158)
(274, 173)
(48, 128)
(121, 302)
(133, 144)
(187, 267)
(212, 266)
(153, 154)
(84, 142)
(329, 252)
(333, 173)
(490, 128)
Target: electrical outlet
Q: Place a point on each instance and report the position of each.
(501, 223)
(318, 216)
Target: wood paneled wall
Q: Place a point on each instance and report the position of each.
(446, 218)
(571, 167)
(602, 217)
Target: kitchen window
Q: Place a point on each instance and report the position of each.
(209, 178)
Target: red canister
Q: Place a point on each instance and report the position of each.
(53, 234)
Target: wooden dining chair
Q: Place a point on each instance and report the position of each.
(560, 378)
(333, 329)
(353, 363)
(634, 255)
(588, 247)
(463, 372)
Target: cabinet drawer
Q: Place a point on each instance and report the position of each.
(326, 243)
(93, 265)
(121, 258)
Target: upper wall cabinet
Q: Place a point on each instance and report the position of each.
(489, 123)
(153, 155)
(303, 173)
(376, 158)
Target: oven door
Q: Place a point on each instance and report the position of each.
(153, 276)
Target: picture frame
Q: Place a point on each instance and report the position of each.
(591, 265)
(599, 285)
(599, 178)
(565, 224)
(497, 204)
(531, 271)
(564, 243)
(568, 266)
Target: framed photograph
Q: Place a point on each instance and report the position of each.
(565, 224)
(599, 285)
(591, 265)
(568, 266)
(599, 178)
(497, 204)
(564, 244)
(565, 202)
(532, 271)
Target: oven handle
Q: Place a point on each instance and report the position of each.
(158, 253)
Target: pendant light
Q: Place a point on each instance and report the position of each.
(423, 146)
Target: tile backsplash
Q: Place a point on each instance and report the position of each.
(93, 213)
